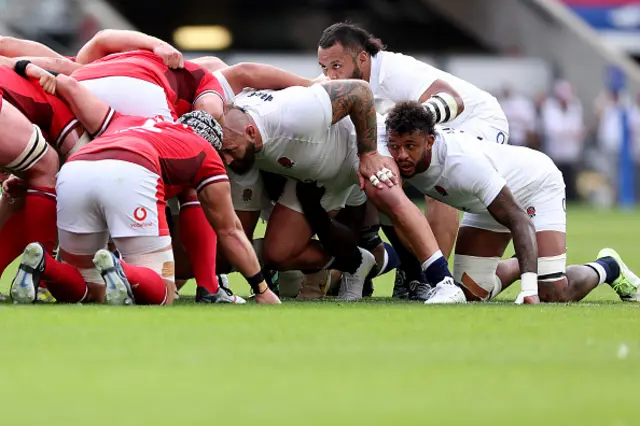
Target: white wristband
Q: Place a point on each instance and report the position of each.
(529, 283)
(443, 106)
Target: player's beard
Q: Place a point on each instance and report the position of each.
(243, 166)
(420, 166)
(424, 162)
(357, 74)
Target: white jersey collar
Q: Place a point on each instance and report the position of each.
(374, 75)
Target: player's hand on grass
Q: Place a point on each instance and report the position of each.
(170, 56)
(376, 169)
(268, 297)
(527, 299)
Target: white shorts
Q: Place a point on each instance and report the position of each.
(487, 123)
(546, 207)
(331, 200)
(131, 96)
(122, 197)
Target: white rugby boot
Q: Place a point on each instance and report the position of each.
(118, 288)
(446, 292)
(24, 287)
(352, 284)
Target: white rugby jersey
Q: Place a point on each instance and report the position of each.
(468, 174)
(396, 78)
(298, 138)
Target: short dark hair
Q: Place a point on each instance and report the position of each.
(350, 36)
(408, 117)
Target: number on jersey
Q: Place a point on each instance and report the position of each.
(267, 97)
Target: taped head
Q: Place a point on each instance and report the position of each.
(204, 125)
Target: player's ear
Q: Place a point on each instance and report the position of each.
(250, 132)
(363, 57)
(430, 140)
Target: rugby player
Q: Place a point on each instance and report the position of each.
(346, 50)
(36, 127)
(506, 192)
(117, 186)
(300, 133)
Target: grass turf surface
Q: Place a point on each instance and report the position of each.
(374, 362)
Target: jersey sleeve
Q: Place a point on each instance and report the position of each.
(208, 85)
(226, 87)
(211, 169)
(109, 123)
(62, 122)
(474, 174)
(403, 78)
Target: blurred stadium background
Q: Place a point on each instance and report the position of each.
(565, 71)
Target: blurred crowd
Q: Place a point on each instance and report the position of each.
(585, 141)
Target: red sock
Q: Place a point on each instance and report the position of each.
(13, 239)
(40, 217)
(148, 287)
(199, 241)
(64, 281)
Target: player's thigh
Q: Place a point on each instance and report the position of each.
(547, 209)
(21, 143)
(288, 231)
(78, 210)
(481, 235)
(139, 209)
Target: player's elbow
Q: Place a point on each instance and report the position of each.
(212, 104)
(211, 63)
(102, 36)
(246, 73)
(8, 46)
(459, 103)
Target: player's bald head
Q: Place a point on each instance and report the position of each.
(241, 139)
(235, 119)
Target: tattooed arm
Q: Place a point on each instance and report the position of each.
(354, 98)
(506, 211)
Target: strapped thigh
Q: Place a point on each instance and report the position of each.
(34, 151)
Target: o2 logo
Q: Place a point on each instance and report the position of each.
(501, 138)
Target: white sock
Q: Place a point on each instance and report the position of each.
(435, 256)
(329, 263)
(602, 274)
(384, 263)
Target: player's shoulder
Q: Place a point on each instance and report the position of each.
(393, 62)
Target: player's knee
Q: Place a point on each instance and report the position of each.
(477, 276)
(161, 262)
(552, 281)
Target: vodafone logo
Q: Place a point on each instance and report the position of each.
(140, 214)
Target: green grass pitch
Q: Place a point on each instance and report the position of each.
(371, 363)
